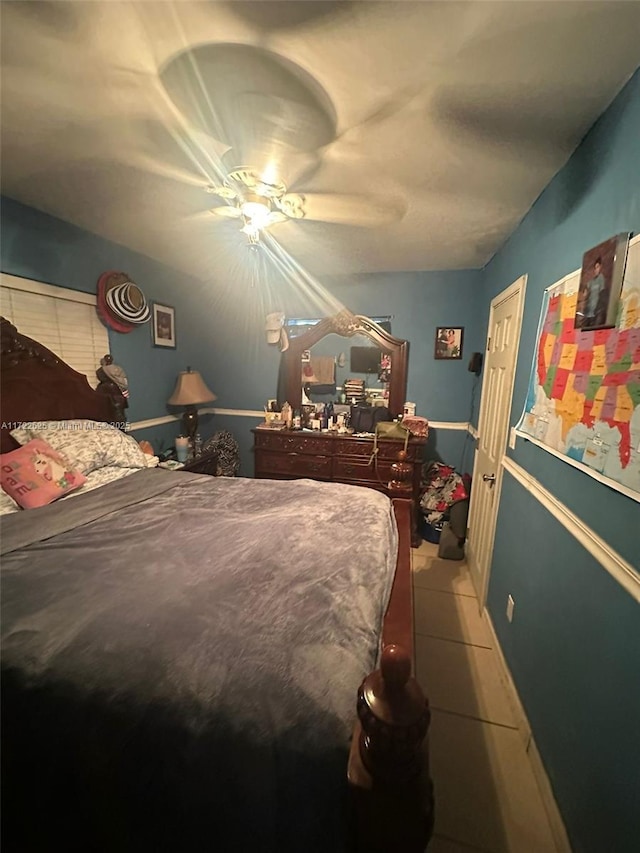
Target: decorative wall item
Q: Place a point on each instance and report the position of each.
(583, 401)
(449, 342)
(276, 332)
(164, 326)
(121, 304)
(600, 284)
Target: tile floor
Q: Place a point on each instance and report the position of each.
(487, 797)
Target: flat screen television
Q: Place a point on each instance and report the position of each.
(365, 360)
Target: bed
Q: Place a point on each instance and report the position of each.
(183, 654)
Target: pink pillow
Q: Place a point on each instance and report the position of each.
(35, 474)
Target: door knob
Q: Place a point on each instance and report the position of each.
(489, 478)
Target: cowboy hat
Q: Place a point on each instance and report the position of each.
(121, 304)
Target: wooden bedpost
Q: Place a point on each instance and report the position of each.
(391, 792)
(391, 796)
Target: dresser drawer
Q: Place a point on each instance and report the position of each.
(356, 469)
(293, 464)
(364, 447)
(353, 447)
(296, 442)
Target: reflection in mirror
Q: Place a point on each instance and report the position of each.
(334, 338)
(328, 367)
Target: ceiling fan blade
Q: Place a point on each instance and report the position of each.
(276, 216)
(361, 211)
(222, 191)
(201, 217)
(292, 205)
(226, 211)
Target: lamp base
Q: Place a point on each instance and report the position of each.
(190, 427)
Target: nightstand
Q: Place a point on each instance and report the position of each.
(206, 463)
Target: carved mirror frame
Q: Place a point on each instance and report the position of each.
(346, 325)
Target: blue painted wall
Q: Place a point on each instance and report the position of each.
(41, 247)
(220, 324)
(419, 302)
(574, 644)
(443, 390)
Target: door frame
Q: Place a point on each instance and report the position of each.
(519, 288)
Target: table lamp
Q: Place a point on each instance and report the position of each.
(191, 392)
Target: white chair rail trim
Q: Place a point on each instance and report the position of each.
(168, 419)
(259, 413)
(608, 558)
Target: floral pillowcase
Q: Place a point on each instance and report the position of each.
(88, 445)
(35, 475)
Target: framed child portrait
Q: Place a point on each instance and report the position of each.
(449, 342)
(601, 279)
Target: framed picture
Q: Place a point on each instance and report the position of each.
(600, 284)
(164, 326)
(449, 341)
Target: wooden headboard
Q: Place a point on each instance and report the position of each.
(36, 385)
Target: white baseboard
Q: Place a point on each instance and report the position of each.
(556, 823)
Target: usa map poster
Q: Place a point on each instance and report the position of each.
(583, 401)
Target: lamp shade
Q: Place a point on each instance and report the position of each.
(190, 390)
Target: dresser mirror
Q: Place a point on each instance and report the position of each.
(344, 333)
(332, 361)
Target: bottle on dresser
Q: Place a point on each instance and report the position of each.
(324, 417)
(329, 410)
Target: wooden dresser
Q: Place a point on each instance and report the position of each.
(286, 455)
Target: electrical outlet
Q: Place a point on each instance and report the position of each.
(510, 605)
(512, 438)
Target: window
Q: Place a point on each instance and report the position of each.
(64, 321)
(296, 326)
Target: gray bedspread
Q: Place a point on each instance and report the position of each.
(181, 656)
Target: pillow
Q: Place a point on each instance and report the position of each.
(7, 504)
(88, 445)
(35, 475)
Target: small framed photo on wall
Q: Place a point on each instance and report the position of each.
(449, 342)
(164, 326)
(601, 279)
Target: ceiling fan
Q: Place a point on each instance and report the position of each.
(275, 121)
(257, 200)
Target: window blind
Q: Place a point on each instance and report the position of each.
(63, 320)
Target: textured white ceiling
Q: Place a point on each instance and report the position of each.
(430, 128)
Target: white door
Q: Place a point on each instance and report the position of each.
(495, 405)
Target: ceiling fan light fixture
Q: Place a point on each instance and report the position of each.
(256, 209)
(250, 228)
(253, 234)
